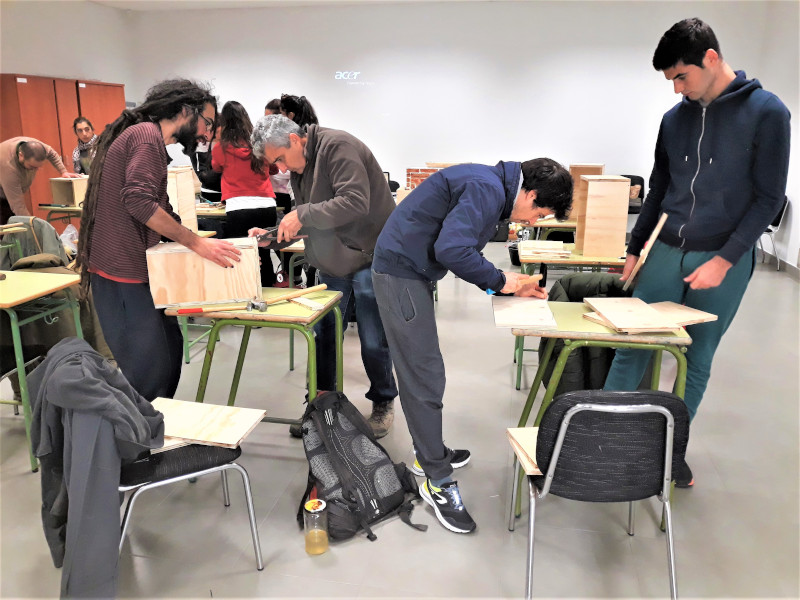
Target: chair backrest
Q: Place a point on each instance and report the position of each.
(776, 222)
(600, 446)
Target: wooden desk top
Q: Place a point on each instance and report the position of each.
(299, 246)
(577, 259)
(65, 209)
(217, 211)
(19, 287)
(572, 325)
(281, 312)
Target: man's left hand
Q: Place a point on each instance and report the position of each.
(708, 275)
(71, 175)
(289, 227)
(531, 290)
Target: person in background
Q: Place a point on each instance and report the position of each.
(441, 226)
(273, 107)
(343, 201)
(87, 145)
(721, 164)
(298, 109)
(127, 211)
(20, 159)
(246, 188)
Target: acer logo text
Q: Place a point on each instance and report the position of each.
(347, 74)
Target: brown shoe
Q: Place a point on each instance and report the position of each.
(381, 418)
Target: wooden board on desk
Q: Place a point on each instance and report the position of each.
(179, 276)
(207, 424)
(522, 313)
(682, 315)
(631, 315)
(523, 441)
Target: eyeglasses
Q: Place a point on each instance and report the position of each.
(209, 122)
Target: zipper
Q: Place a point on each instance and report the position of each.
(696, 173)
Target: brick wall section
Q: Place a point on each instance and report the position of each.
(416, 176)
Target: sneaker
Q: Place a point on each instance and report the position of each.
(381, 418)
(458, 458)
(296, 430)
(683, 477)
(446, 502)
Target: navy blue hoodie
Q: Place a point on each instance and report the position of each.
(446, 221)
(720, 171)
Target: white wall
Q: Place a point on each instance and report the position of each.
(79, 40)
(473, 82)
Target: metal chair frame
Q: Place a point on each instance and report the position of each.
(533, 494)
(226, 498)
(770, 233)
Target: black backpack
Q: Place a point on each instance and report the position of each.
(351, 471)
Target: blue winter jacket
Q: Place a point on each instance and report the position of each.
(446, 221)
(720, 172)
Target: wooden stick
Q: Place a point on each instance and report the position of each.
(645, 251)
(193, 310)
(296, 293)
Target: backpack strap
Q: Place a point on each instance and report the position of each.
(309, 487)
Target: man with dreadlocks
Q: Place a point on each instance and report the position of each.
(126, 211)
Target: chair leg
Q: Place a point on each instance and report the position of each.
(531, 523)
(631, 517)
(226, 497)
(515, 472)
(127, 517)
(673, 579)
(774, 250)
(251, 514)
(761, 247)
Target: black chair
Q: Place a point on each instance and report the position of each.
(179, 464)
(598, 446)
(772, 230)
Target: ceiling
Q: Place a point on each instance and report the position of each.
(148, 5)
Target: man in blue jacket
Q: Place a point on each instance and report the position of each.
(721, 163)
(442, 226)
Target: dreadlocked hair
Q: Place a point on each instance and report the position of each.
(165, 100)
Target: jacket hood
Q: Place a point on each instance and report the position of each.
(739, 87)
(238, 152)
(510, 173)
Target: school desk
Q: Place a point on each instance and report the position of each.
(62, 214)
(282, 315)
(24, 292)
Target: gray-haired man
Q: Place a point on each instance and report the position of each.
(343, 201)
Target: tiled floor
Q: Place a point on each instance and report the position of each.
(736, 532)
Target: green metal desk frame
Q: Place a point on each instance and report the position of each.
(295, 260)
(307, 330)
(42, 308)
(187, 343)
(679, 389)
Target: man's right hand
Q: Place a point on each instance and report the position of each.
(220, 252)
(630, 262)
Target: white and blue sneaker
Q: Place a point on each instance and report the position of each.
(446, 502)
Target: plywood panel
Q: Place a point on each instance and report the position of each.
(603, 216)
(631, 315)
(511, 311)
(683, 315)
(577, 170)
(179, 276)
(208, 424)
(523, 441)
(180, 189)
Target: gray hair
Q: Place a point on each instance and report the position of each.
(273, 130)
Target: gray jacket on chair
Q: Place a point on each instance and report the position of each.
(87, 421)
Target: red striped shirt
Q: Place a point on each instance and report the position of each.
(133, 185)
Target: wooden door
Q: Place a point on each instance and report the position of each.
(101, 103)
(67, 112)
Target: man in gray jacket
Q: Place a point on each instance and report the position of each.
(343, 201)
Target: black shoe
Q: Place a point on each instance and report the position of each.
(458, 458)
(296, 430)
(446, 502)
(683, 477)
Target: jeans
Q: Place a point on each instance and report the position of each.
(356, 289)
(147, 344)
(661, 279)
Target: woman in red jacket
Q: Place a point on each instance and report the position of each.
(246, 188)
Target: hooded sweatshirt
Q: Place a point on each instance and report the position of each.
(238, 179)
(720, 172)
(445, 223)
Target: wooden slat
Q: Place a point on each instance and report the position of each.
(645, 251)
(523, 441)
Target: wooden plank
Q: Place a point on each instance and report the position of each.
(207, 424)
(602, 221)
(523, 441)
(180, 189)
(179, 276)
(512, 311)
(683, 315)
(645, 251)
(67, 191)
(630, 315)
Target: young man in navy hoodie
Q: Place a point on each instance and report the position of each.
(442, 226)
(721, 163)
